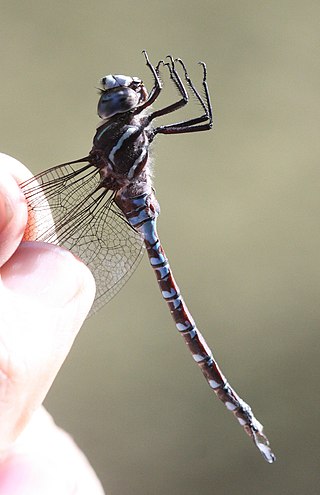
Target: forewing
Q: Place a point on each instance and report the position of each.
(67, 207)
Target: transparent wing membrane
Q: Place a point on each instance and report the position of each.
(67, 207)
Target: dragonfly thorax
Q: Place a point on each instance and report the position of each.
(120, 94)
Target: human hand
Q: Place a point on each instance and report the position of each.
(45, 295)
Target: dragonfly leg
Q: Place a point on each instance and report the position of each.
(156, 90)
(195, 124)
(180, 87)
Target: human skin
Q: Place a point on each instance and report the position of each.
(45, 295)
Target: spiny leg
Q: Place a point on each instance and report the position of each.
(157, 67)
(180, 87)
(174, 75)
(156, 90)
(206, 105)
(195, 124)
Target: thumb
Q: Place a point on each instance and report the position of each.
(45, 295)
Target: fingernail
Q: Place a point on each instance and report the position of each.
(6, 210)
(43, 270)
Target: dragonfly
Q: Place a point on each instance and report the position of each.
(103, 207)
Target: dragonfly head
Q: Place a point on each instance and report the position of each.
(120, 94)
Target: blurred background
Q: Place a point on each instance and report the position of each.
(240, 224)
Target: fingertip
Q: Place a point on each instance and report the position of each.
(49, 273)
(15, 168)
(13, 206)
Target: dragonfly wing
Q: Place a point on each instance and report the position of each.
(67, 207)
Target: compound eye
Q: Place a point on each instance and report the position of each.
(118, 100)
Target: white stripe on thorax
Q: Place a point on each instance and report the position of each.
(137, 162)
(131, 130)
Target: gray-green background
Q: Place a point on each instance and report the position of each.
(240, 222)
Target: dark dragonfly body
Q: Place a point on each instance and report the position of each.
(104, 209)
